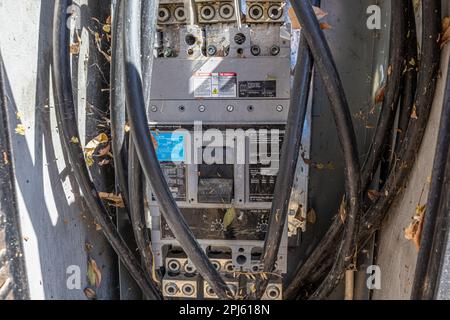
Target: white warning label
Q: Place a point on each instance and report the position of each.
(215, 85)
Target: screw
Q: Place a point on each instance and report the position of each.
(154, 108)
(212, 50)
(250, 108)
(230, 108)
(240, 38)
(274, 50)
(280, 108)
(256, 51)
(201, 108)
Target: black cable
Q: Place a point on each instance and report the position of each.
(137, 211)
(432, 241)
(288, 162)
(333, 86)
(148, 29)
(409, 82)
(392, 92)
(68, 130)
(117, 108)
(371, 221)
(147, 155)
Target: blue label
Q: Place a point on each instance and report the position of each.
(170, 146)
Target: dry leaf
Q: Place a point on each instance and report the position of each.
(343, 210)
(107, 28)
(414, 113)
(127, 128)
(92, 145)
(389, 70)
(293, 17)
(19, 115)
(320, 14)
(113, 199)
(74, 140)
(325, 26)
(379, 96)
(373, 195)
(94, 274)
(90, 161)
(20, 129)
(90, 293)
(414, 231)
(75, 48)
(5, 158)
(229, 217)
(445, 31)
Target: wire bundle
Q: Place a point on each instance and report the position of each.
(131, 68)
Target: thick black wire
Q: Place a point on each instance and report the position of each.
(68, 130)
(333, 86)
(389, 106)
(371, 221)
(137, 210)
(432, 243)
(409, 82)
(147, 155)
(117, 107)
(288, 162)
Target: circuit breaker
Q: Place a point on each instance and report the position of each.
(220, 101)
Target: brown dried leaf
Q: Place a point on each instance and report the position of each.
(75, 48)
(414, 113)
(113, 199)
(92, 145)
(90, 294)
(373, 195)
(325, 26)
(311, 216)
(445, 37)
(94, 274)
(414, 231)
(379, 96)
(5, 158)
(343, 210)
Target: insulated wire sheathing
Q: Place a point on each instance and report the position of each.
(68, 130)
(436, 217)
(137, 212)
(147, 155)
(333, 86)
(117, 107)
(371, 221)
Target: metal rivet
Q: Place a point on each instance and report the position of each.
(280, 108)
(201, 108)
(230, 108)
